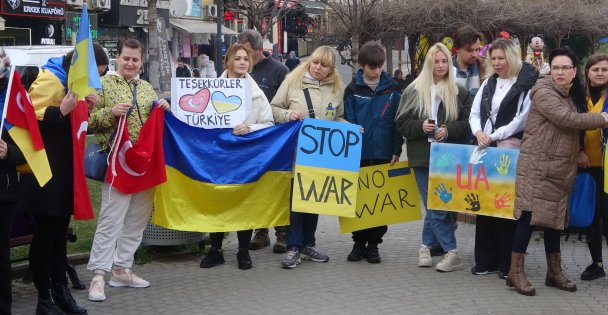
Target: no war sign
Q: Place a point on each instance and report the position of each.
(327, 168)
(386, 195)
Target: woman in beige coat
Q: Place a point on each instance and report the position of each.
(547, 167)
(317, 76)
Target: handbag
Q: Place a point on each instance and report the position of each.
(96, 159)
(582, 201)
(95, 162)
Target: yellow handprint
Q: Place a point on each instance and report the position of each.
(505, 162)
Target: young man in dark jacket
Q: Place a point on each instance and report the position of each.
(372, 101)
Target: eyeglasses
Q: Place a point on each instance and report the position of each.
(561, 68)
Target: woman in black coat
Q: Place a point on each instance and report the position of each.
(10, 156)
(53, 204)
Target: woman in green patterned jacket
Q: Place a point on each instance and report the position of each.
(123, 217)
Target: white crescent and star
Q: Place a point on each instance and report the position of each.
(127, 145)
(20, 102)
(83, 128)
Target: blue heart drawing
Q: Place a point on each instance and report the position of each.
(223, 103)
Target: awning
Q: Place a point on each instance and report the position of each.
(200, 27)
(313, 7)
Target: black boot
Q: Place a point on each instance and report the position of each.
(213, 258)
(357, 253)
(63, 298)
(371, 254)
(243, 259)
(48, 307)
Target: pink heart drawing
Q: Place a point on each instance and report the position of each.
(195, 103)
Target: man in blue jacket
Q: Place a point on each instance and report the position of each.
(371, 101)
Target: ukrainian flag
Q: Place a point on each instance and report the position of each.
(218, 182)
(83, 78)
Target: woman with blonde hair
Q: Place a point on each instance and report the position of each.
(498, 116)
(434, 109)
(238, 63)
(318, 78)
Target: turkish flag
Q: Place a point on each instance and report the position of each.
(137, 167)
(20, 111)
(79, 119)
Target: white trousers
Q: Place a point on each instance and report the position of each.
(120, 227)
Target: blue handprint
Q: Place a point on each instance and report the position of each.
(443, 193)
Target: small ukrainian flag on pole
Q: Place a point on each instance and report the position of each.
(83, 78)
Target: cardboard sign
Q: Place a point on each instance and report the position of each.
(387, 195)
(327, 167)
(211, 103)
(464, 179)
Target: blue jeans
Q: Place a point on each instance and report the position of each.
(438, 225)
(301, 230)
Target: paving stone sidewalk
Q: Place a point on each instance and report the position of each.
(396, 286)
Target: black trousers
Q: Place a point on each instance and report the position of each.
(599, 226)
(7, 214)
(493, 243)
(370, 236)
(523, 233)
(217, 238)
(48, 253)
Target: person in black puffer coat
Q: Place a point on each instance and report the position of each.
(10, 156)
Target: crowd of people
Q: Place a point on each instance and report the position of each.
(554, 120)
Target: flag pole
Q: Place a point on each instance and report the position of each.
(8, 95)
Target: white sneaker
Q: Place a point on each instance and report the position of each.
(451, 261)
(96, 289)
(424, 259)
(126, 278)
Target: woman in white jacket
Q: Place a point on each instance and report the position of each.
(238, 62)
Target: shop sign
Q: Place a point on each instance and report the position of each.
(133, 12)
(34, 8)
(72, 22)
(49, 35)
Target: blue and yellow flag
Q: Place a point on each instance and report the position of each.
(83, 78)
(218, 182)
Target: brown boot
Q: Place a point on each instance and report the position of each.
(517, 277)
(280, 246)
(260, 239)
(555, 274)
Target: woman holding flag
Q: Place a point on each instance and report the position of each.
(53, 204)
(238, 63)
(10, 157)
(123, 216)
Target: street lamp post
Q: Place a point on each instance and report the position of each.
(218, 37)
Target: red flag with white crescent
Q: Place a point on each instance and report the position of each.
(79, 118)
(140, 166)
(20, 111)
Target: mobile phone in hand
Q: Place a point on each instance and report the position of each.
(431, 136)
